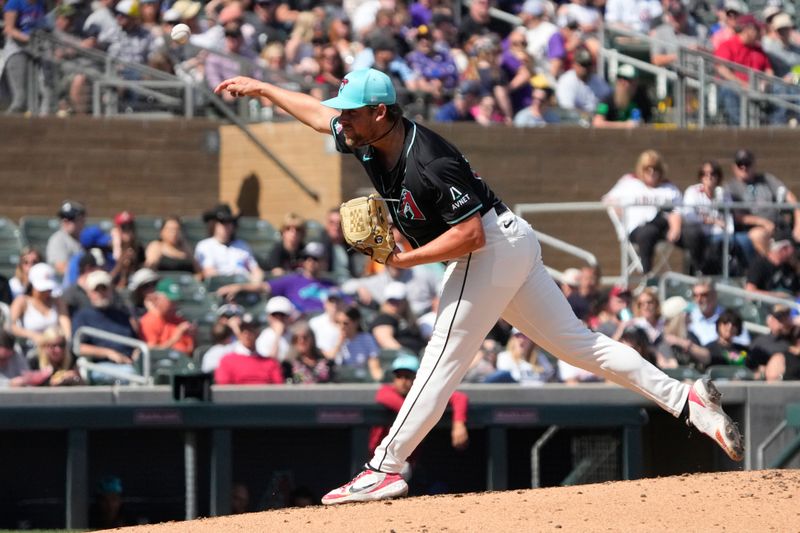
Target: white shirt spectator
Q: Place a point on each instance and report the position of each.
(631, 190)
(538, 38)
(326, 332)
(696, 210)
(422, 283)
(636, 15)
(233, 258)
(214, 355)
(524, 372)
(567, 372)
(266, 340)
(705, 329)
(574, 93)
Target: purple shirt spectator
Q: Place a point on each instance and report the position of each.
(439, 66)
(305, 293)
(419, 14)
(521, 97)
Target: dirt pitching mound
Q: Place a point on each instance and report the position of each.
(766, 500)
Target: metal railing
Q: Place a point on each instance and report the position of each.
(83, 363)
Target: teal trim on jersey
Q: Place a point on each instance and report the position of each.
(478, 208)
(413, 137)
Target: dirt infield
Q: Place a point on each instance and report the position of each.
(766, 500)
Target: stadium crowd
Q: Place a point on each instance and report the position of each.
(446, 65)
(308, 309)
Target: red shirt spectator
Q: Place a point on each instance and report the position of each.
(392, 396)
(744, 48)
(244, 365)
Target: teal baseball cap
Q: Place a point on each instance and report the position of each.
(362, 88)
(405, 362)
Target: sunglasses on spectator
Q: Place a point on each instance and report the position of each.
(519, 43)
(279, 315)
(744, 164)
(703, 294)
(101, 288)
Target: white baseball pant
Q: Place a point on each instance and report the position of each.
(507, 278)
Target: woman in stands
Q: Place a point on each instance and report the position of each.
(38, 309)
(28, 257)
(655, 215)
(522, 363)
(395, 326)
(53, 355)
(356, 348)
(308, 364)
(171, 252)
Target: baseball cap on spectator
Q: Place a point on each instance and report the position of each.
(142, 277)
(382, 42)
(769, 12)
(124, 218)
(534, 8)
(70, 210)
(619, 291)
(673, 307)
(98, 278)
(782, 21)
(583, 57)
(110, 485)
(94, 237)
(86, 262)
(423, 32)
(280, 304)
(744, 158)
(314, 250)
(470, 87)
(395, 291)
(171, 15)
(65, 10)
(220, 213)
(230, 310)
(406, 362)
(42, 277)
(735, 5)
(780, 311)
(362, 88)
(572, 277)
(170, 289)
(187, 8)
(129, 8)
(747, 21)
(250, 321)
(627, 72)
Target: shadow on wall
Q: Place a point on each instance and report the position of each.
(249, 195)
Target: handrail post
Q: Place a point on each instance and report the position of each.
(726, 244)
(623, 247)
(680, 89)
(701, 96)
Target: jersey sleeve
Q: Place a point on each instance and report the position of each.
(453, 184)
(338, 137)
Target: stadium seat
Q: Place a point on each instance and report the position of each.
(259, 234)
(729, 373)
(349, 374)
(9, 235)
(165, 363)
(682, 373)
(148, 228)
(194, 302)
(9, 259)
(34, 231)
(315, 231)
(194, 229)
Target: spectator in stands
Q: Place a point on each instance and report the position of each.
(340, 36)
(104, 316)
(522, 362)
(705, 313)
(744, 49)
(392, 395)
(755, 226)
(519, 67)
(539, 112)
(479, 22)
(637, 339)
(632, 15)
(421, 282)
(142, 284)
(395, 326)
(54, 358)
(728, 13)
(486, 68)
(483, 364)
(219, 67)
(222, 342)
(264, 20)
(725, 350)
(21, 18)
(223, 254)
(38, 308)
(584, 12)
(435, 70)
(326, 331)
(774, 274)
(126, 248)
(580, 88)
(274, 339)
(780, 338)
(678, 346)
(606, 315)
(343, 262)
(104, 20)
(308, 363)
(331, 70)
(171, 252)
(784, 366)
(562, 47)
(647, 315)
(97, 242)
(64, 243)
(784, 55)
(648, 224)
(28, 256)
(538, 29)
(285, 255)
(678, 29)
(133, 43)
(12, 363)
(572, 375)
(162, 328)
(569, 283)
(459, 109)
(706, 225)
(355, 348)
(151, 15)
(627, 106)
(387, 60)
(244, 365)
(75, 296)
(306, 287)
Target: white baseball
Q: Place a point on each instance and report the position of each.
(180, 33)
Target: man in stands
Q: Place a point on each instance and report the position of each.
(244, 365)
(305, 288)
(64, 243)
(161, 326)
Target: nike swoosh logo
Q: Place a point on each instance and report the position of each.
(366, 157)
(353, 489)
(507, 224)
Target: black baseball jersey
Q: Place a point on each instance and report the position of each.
(431, 188)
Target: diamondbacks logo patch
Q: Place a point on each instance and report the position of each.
(341, 85)
(408, 206)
